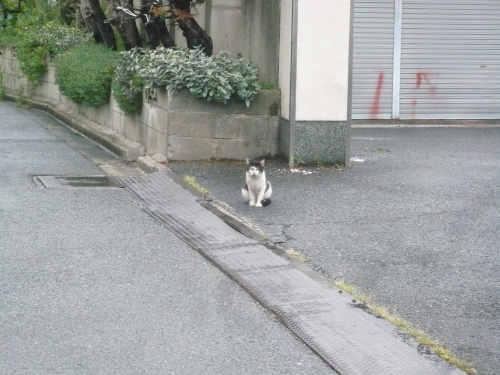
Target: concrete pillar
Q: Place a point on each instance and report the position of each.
(315, 80)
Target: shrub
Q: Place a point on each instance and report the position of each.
(212, 77)
(35, 13)
(33, 63)
(37, 43)
(127, 83)
(84, 74)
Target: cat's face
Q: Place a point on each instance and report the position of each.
(255, 168)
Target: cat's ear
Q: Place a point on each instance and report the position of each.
(248, 162)
(262, 162)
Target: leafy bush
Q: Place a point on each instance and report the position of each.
(33, 63)
(127, 83)
(35, 13)
(212, 77)
(37, 43)
(84, 74)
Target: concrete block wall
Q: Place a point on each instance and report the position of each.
(12, 80)
(230, 131)
(178, 126)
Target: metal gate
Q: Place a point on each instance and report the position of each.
(442, 60)
(373, 56)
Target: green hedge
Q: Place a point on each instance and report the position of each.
(36, 44)
(84, 74)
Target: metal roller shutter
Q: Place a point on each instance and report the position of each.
(450, 59)
(373, 59)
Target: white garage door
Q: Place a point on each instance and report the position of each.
(450, 59)
(373, 56)
(444, 63)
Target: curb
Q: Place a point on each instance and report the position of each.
(109, 139)
(422, 123)
(148, 165)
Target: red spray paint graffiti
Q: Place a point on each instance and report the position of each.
(420, 79)
(374, 111)
(422, 76)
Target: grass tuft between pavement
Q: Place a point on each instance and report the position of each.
(297, 255)
(406, 327)
(191, 181)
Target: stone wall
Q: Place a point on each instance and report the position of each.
(177, 126)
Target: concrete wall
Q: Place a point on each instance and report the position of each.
(201, 130)
(177, 126)
(246, 27)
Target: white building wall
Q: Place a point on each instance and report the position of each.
(314, 78)
(285, 50)
(323, 60)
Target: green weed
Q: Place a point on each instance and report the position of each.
(20, 97)
(297, 255)
(298, 159)
(191, 181)
(406, 327)
(2, 89)
(267, 86)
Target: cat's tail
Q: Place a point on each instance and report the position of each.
(267, 195)
(265, 202)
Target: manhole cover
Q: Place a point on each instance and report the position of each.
(77, 181)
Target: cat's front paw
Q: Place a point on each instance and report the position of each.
(252, 204)
(258, 205)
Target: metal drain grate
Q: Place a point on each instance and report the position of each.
(321, 317)
(77, 181)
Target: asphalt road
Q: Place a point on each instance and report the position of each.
(414, 223)
(90, 284)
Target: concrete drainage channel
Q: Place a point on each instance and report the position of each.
(346, 337)
(64, 182)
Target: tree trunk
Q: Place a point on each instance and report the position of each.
(125, 25)
(194, 34)
(157, 33)
(94, 19)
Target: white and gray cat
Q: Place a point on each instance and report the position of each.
(257, 190)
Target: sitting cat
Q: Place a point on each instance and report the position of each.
(257, 189)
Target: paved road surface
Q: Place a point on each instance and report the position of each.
(91, 284)
(414, 223)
